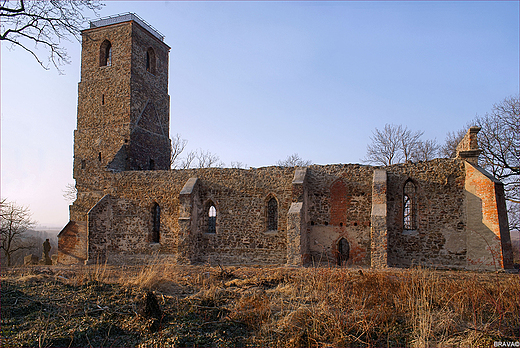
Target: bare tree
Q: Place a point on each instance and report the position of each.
(177, 147)
(391, 145)
(70, 192)
(33, 24)
(426, 150)
(208, 160)
(410, 142)
(238, 165)
(294, 160)
(499, 140)
(16, 220)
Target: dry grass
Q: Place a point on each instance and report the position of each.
(268, 306)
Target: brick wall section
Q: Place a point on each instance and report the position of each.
(488, 240)
(73, 243)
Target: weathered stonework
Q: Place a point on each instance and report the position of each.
(442, 213)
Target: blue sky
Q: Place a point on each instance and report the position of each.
(257, 81)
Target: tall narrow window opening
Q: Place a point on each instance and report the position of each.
(102, 99)
(99, 157)
(156, 218)
(105, 54)
(212, 219)
(272, 214)
(343, 251)
(409, 206)
(150, 61)
(152, 164)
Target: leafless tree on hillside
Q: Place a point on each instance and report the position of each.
(294, 160)
(16, 220)
(34, 24)
(395, 144)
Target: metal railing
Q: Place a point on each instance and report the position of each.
(124, 17)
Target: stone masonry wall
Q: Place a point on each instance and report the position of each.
(439, 237)
(240, 197)
(340, 199)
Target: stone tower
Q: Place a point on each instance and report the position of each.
(123, 104)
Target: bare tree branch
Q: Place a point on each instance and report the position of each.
(44, 24)
(15, 221)
(294, 160)
(177, 147)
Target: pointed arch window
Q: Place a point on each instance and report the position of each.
(150, 61)
(212, 219)
(409, 206)
(272, 214)
(156, 223)
(105, 54)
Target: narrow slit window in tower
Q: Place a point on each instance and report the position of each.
(156, 218)
(272, 215)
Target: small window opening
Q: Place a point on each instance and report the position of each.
(152, 164)
(102, 99)
(83, 164)
(105, 54)
(99, 157)
(272, 215)
(150, 61)
(156, 218)
(212, 219)
(409, 206)
(343, 251)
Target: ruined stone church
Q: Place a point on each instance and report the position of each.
(130, 205)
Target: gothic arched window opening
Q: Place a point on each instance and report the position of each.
(150, 61)
(105, 54)
(409, 206)
(156, 222)
(272, 214)
(212, 219)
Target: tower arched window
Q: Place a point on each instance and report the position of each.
(212, 219)
(409, 206)
(150, 61)
(156, 223)
(105, 54)
(272, 214)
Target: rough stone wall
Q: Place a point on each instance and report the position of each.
(339, 207)
(439, 238)
(150, 103)
(240, 197)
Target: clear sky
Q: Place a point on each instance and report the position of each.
(257, 81)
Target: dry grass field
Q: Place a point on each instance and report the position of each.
(202, 306)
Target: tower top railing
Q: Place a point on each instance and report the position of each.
(124, 17)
